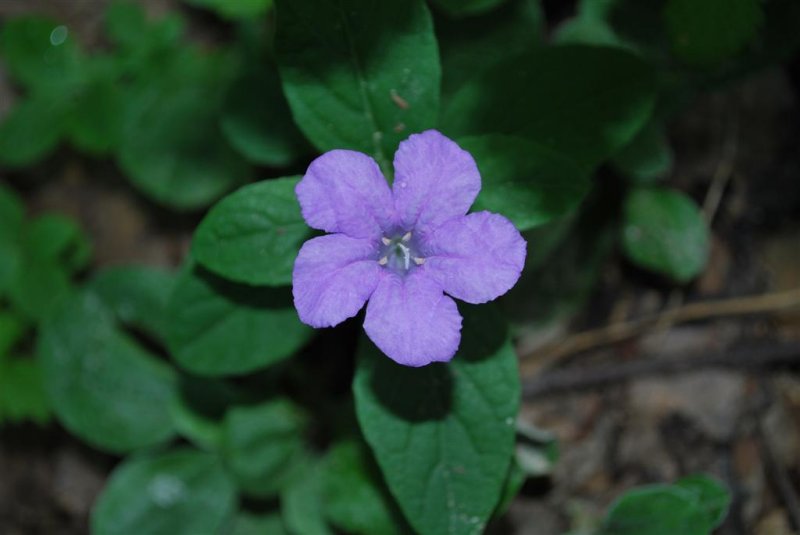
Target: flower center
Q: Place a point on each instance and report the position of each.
(400, 253)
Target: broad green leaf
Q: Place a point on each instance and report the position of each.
(138, 296)
(664, 231)
(461, 8)
(31, 130)
(245, 523)
(302, 502)
(471, 45)
(95, 120)
(104, 387)
(647, 158)
(584, 102)
(443, 434)
(709, 31)
(172, 148)
(222, 328)
(179, 492)
(515, 478)
(199, 408)
(234, 9)
(22, 395)
(253, 235)
(693, 506)
(257, 122)
(36, 287)
(354, 496)
(39, 53)
(359, 74)
(12, 217)
(262, 445)
(525, 182)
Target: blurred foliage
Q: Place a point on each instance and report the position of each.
(225, 402)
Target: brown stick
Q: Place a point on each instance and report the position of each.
(738, 306)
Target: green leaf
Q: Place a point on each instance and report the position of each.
(222, 328)
(31, 131)
(36, 287)
(710, 494)
(590, 26)
(138, 296)
(245, 523)
(443, 434)
(95, 120)
(172, 148)
(584, 102)
(462, 8)
(104, 387)
(515, 478)
(693, 506)
(708, 31)
(359, 74)
(664, 231)
(253, 235)
(302, 502)
(648, 157)
(257, 121)
(199, 408)
(180, 492)
(234, 9)
(262, 445)
(355, 497)
(525, 182)
(469, 46)
(39, 53)
(12, 328)
(22, 395)
(59, 239)
(12, 217)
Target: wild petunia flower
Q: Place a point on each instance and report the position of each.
(402, 249)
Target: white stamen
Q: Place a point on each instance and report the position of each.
(386, 241)
(406, 236)
(383, 261)
(419, 260)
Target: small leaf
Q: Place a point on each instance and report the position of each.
(31, 131)
(647, 158)
(12, 217)
(665, 232)
(58, 239)
(172, 148)
(354, 495)
(199, 408)
(22, 394)
(222, 328)
(257, 122)
(302, 502)
(95, 120)
(443, 434)
(179, 492)
(709, 31)
(104, 387)
(253, 235)
(262, 445)
(525, 182)
(584, 102)
(137, 295)
(693, 506)
(359, 74)
(40, 53)
(12, 328)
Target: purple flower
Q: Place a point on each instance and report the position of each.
(402, 249)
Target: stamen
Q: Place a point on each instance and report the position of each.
(406, 255)
(406, 236)
(386, 241)
(383, 261)
(419, 260)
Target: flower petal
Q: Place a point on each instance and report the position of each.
(412, 321)
(435, 180)
(333, 276)
(344, 191)
(477, 257)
